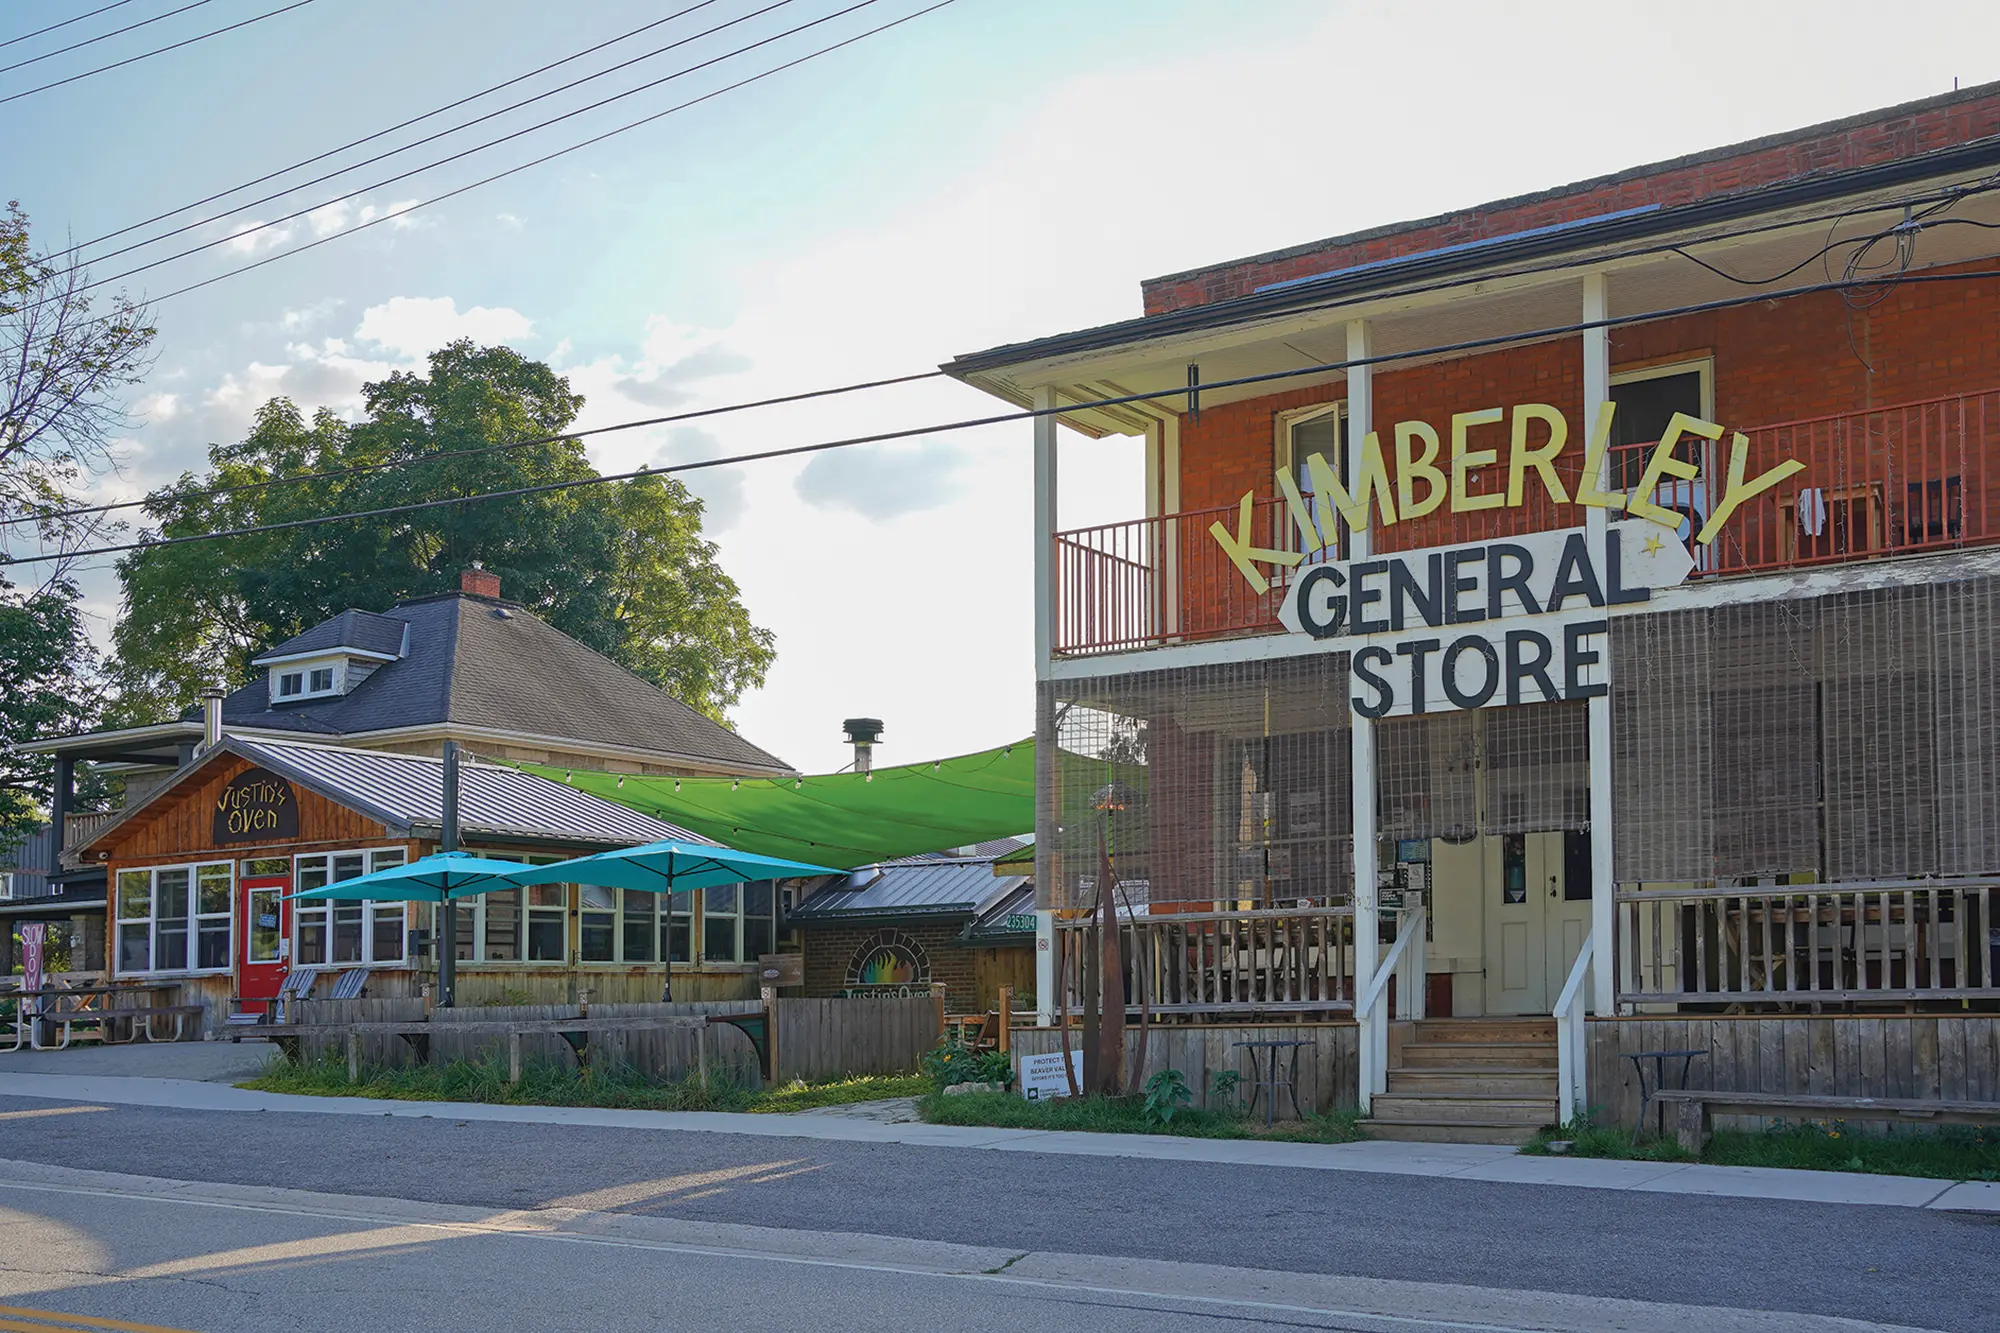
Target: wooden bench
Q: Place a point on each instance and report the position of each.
(1695, 1110)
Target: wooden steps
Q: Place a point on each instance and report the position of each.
(1470, 1080)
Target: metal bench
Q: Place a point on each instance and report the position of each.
(1695, 1110)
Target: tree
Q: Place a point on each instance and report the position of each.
(48, 686)
(622, 567)
(64, 368)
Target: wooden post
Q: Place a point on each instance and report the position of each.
(771, 1031)
(353, 1056)
(701, 1055)
(937, 1006)
(583, 1002)
(430, 1001)
(513, 1057)
(1002, 1036)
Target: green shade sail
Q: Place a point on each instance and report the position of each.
(839, 819)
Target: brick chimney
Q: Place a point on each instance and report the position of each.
(478, 582)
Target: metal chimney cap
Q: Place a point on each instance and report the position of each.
(215, 692)
(863, 730)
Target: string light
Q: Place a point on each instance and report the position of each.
(621, 784)
(734, 785)
(677, 784)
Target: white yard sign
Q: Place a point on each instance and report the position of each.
(1042, 1076)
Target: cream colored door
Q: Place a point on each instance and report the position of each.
(1565, 876)
(1516, 926)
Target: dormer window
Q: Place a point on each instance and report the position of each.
(295, 682)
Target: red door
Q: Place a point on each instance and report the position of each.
(263, 939)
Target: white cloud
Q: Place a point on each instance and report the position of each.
(510, 221)
(254, 236)
(881, 481)
(415, 326)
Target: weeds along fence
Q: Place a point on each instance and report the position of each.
(1328, 1069)
(817, 1039)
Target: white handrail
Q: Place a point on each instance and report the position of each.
(1572, 1055)
(1368, 1014)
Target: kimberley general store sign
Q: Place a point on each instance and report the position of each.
(1520, 620)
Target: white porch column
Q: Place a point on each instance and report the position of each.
(1045, 530)
(1360, 420)
(1603, 927)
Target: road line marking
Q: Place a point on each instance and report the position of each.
(45, 1318)
(48, 1110)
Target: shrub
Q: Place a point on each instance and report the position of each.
(1166, 1093)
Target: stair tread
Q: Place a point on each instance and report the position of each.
(1483, 1071)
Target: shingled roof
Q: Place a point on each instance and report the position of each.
(478, 662)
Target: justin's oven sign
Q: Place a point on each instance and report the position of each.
(1499, 622)
(256, 806)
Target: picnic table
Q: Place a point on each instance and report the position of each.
(81, 1012)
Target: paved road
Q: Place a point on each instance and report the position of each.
(1895, 1266)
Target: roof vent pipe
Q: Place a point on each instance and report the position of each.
(862, 733)
(211, 718)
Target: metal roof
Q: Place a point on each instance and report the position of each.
(406, 793)
(955, 887)
(995, 925)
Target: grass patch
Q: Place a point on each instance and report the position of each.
(1126, 1115)
(1949, 1152)
(551, 1085)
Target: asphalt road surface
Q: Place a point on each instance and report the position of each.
(440, 1224)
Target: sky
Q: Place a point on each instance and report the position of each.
(994, 171)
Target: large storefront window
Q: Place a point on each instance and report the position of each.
(175, 918)
(337, 933)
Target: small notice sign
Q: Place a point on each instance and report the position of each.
(781, 969)
(1042, 1076)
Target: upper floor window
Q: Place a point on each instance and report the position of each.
(1647, 400)
(296, 681)
(1322, 430)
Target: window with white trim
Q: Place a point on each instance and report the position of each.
(738, 921)
(333, 932)
(175, 918)
(491, 927)
(1301, 433)
(294, 681)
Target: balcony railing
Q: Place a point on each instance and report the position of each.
(1885, 482)
(79, 829)
(1898, 942)
(1189, 964)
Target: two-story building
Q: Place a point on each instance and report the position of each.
(1609, 571)
(332, 752)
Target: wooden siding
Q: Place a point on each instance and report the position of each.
(1328, 1069)
(181, 826)
(1951, 1057)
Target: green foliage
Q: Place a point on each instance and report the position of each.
(951, 1061)
(1224, 1086)
(48, 686)
(1128, 1115)
(1950, 1152)
(1166, 1093)
(544, 1084)
(623, 567)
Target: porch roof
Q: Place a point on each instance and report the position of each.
(1499, 290)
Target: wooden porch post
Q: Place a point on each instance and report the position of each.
(1360, 420)
(1596, 393)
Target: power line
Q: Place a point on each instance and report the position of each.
(115, 4)
(147, 55)
(479, 148)
(89, 41)
(546, 157)
(432, 138)
(359, 468)
(1028, 414)
(400, 125)
(1938, 200)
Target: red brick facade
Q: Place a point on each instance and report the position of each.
(1878, 137)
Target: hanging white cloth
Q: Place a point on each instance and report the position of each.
(1812, 510)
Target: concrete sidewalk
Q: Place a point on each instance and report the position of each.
(1451, 1161)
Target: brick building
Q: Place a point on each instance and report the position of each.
(1584, 603)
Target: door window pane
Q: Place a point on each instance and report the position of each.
(263, 925)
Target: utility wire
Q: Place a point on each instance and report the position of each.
(115, 4)
(359, 468)
(89, 41)
(432, 138)
(479, 148)
(546, 157)
(147, 55)
(329, 474)
(400, 125)
(969, 423)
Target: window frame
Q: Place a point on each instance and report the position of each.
(1284, 457)
(302, 673)
(192, 931)
(324, 910)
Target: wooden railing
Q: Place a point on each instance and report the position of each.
(1901, 941)
(79, 829)
(1890, 481)
(1249, 962)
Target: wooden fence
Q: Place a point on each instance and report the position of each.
(1226, 964)
(816, 1038)
(1328, 1074)
(1954, 1057)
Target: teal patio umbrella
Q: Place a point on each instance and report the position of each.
(429, 879)
(665, 867)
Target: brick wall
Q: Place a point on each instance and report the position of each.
(1877, 137)
(831, 949)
